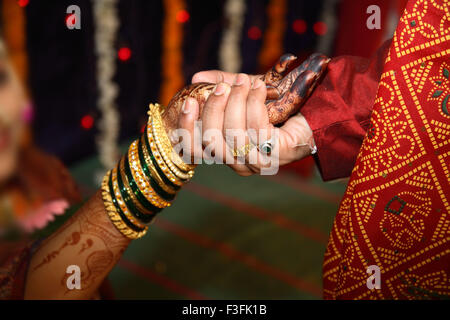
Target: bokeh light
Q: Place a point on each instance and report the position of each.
(254, 33)
(124, 53)
(23, 3)
(87, 122)
(320, 28)
(182, 16)
(299, 26)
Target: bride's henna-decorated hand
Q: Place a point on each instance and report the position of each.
(285, 93)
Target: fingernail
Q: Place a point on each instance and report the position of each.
(220, 78)
(184, 109)
(220, 89)
(256, 84)
(239, 80)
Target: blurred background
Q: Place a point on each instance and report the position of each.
(91, 71)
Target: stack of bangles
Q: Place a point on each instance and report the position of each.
(145, 180)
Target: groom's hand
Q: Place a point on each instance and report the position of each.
(237, 110)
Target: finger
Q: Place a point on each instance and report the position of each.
(259, 128)
(235, 123)
(316, 63)
(213, 112)
(217, 76)
(280, 110)
(212, 120)
(283, 64)
(257, 117)
(213, 76)
(272, 93)
(274, 75)
(235, 112)
(189, 114)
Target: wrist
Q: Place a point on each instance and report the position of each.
(145, 180)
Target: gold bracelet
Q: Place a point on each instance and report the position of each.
(114, 215)
(162, 165)
(139, 177)
(169, 174)
(165, 148)
(155, 111)
(153, 172)
(138, 206)
(149, 194)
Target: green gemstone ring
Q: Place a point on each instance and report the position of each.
(266, 147)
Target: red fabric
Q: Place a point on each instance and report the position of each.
(352, 18)
(395, 214)
(339, 110)
(13, 273)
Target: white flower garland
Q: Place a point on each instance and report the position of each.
(106, 23)
(230, 54)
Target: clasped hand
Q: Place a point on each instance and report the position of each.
(235, 123)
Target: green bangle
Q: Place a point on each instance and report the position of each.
(153, 183)
(119, 210)
(145, 218)
(135, 188)
(155, 163)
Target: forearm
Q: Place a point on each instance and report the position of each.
(143, 183)
(88, 240)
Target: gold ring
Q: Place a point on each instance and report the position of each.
(243, 151)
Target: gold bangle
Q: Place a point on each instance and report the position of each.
(165, 150)
(155, 110)
(153, 172)
(114, 215)
(139, 207)
(121, 202)
(142, 182)
(162, 165)
(163, 143)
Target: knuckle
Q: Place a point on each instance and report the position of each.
(245, 78)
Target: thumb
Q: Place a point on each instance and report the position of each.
(296, 139)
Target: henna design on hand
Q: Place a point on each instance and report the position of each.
(285, 93)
